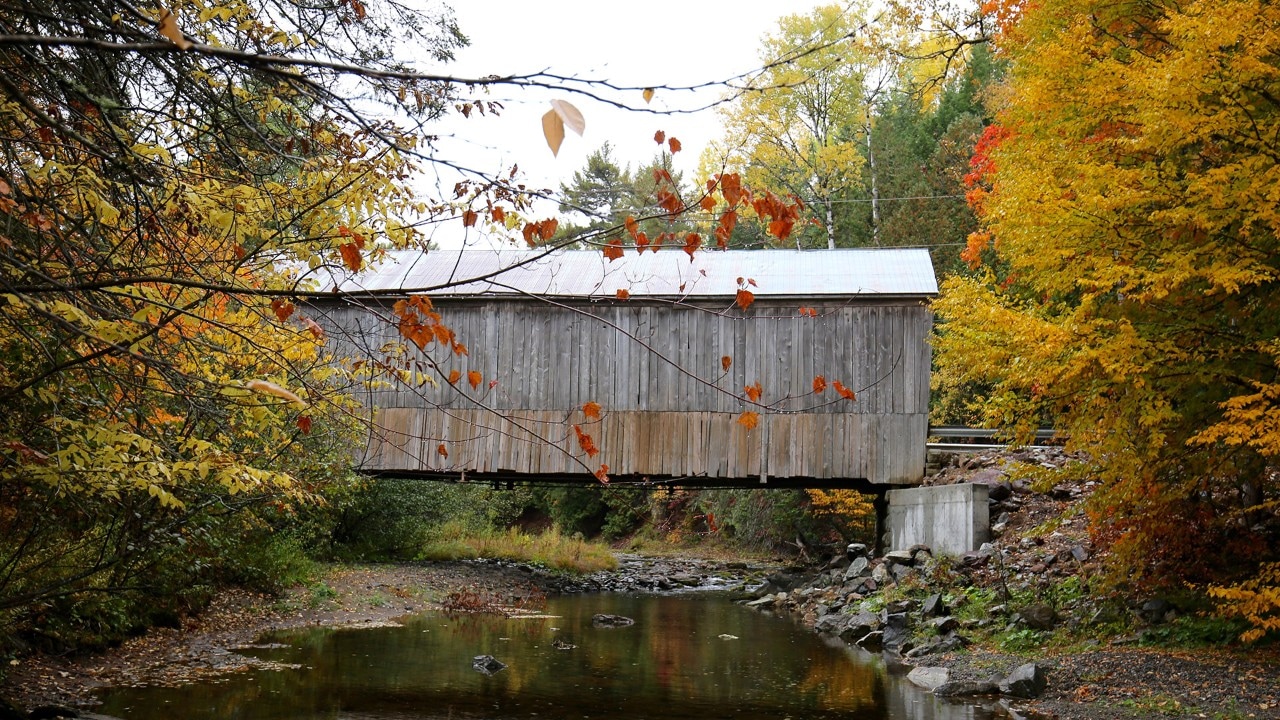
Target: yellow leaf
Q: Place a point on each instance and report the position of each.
(648, 94)
(169, 28)
(553, 130)
(270, 388)
(749, 419)
(570, 115)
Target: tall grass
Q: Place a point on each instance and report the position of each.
(552, 549)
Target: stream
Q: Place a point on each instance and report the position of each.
(691, 655)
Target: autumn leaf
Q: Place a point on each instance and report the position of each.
(844, 392)
(304, 424)
(692, 242)
(623, 294)
(731, 188)
(454, 377)
(674, 144)
(442, 451)
(744, 299)
(316, 331)
(497, 214)
(603, 474)
(561, 115)
(749, 420)
(351, 256)
(269, 388)
(585, 442)
(753, 392)
(808, 312)
(660, 137)
(591, 410)
(469, 218)
(725, 362)
(282, 308)
(475, 378)
(819, 383)
(169, 28)
(613, 249)
(648, 94)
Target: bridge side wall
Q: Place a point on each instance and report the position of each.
(656, 370)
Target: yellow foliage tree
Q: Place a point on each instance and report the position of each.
(1126, 286)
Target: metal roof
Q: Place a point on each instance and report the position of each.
(668, 273)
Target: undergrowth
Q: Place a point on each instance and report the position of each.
(551, 549)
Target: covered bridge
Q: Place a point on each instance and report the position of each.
(658, 342)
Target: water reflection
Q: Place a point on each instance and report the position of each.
(687, 656)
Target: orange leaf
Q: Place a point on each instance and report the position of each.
(498, 214)
(169, 28)
(442, 451)
(623, 294)
(586, 443)
(469, 218)
(642, 242)
(845, 392)
(660, 137)
(282, 308)
(351, 256)
(753, 392)
(725, 362)
(648, 94)
(748, 420)
(731, 188)
(692, 242)
(633, 226)
(454, 377)
(603, 474)
(314, 327)
(304, 424)
(744, 299)
(475, 378)
(613, 250)
(819, 383)
(707, 204)
(591, 410)
(808, 312)
(674, 144)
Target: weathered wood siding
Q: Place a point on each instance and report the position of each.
(655, 369)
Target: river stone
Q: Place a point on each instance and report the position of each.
(611, 621)
(1027, 681)
(958, 688)
(944, 625)
(833, 623)
(686, 579)
(855, 550)
(859, 624)
(487, 664)
(856, 568)
(928, 677)
(881, 573)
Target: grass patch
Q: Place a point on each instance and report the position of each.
(550, 549)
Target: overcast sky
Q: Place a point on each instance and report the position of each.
(648, 43)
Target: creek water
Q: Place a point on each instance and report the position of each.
(695, 656)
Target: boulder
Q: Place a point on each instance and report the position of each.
(855, 550)
(833, 624)
(928, 678)
(859, 624)
(899, 557)
(944, 625)
(880, 573)
(960, 688)
(934, 606)
(611, 621)
(1027, 681)
(1039, 616)
(1154, 610)
(895, 631)
(857, 568)
(487, 664)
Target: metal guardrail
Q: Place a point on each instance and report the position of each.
(955, 432)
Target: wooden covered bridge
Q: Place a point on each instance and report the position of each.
(663, 345)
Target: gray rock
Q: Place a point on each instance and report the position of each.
(1039, 616)
(766, 600)
(833, 624)
(880, 573)
(960, 688)
(895, 631)
(1027, 681)
(859, 624)
(611, 621)
(856, 568)
(901, 572)
(928, 678)
(855, 550)
(872, 641)
(901, 606)
(934, 606)
(899, 557)
(944, 625)
(487, 664)
(1079, 553)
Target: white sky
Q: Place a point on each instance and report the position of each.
(646, 43)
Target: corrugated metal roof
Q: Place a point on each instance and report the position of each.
(669, 273)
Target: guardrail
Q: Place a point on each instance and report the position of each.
(959, 432)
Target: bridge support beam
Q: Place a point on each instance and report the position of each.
(950, 519)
